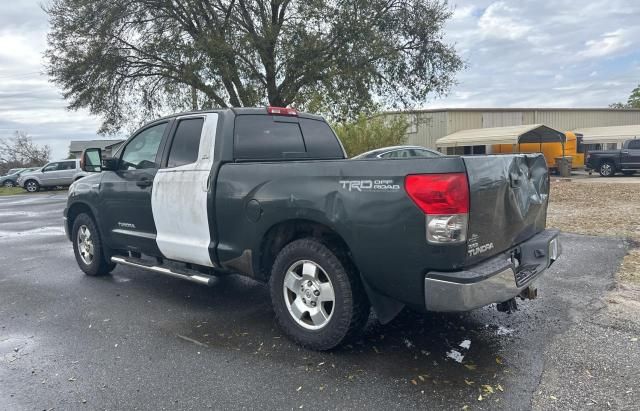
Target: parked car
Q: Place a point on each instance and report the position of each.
(269, 194)
(11, 179)
(610, 162)
(54, 174)
(399, 152)
(13, 171)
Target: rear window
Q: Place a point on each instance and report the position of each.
(634, 144)
(186, 142)
(260, 137)
(320, 140)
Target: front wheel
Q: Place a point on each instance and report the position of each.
(317, 297)
(87, 247)
(32, 186)
(607, 169)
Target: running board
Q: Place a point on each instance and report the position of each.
(186, 274)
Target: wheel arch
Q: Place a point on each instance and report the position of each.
(284, 232)
(75, 210)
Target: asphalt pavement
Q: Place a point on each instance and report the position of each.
(139, 340)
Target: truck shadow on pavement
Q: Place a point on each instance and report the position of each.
(473, 354)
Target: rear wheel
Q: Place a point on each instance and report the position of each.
(318, 299)
(88, 247)
(32, 186)
(8, 183)
(607, 169)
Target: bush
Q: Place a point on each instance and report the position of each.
(369, 133)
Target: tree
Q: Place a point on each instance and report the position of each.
(20, 151)
(366, 134)
(632, 102)
(128, 60)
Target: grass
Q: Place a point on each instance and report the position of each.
(8, 191)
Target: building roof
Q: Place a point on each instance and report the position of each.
(611, 134)
(530, 133)
(81, 145)
(509, 109)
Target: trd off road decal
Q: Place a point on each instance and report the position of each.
(474, 247)
(369, 185)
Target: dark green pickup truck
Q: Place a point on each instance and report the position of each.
(269, 193)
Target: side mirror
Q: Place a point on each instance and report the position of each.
(91, 161)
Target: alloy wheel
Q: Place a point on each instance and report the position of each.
(85, 245)
(309, 294)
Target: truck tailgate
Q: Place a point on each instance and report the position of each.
(508, 202)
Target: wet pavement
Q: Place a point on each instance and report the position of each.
(138, 340)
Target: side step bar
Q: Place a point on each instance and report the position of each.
(185, 274)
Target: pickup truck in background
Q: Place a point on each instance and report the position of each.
(610, 162)
(268, 193)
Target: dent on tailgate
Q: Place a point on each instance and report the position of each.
(508, 202)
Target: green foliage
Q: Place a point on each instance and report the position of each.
(634, 98)
(130, 60)
(632, 102)
(366, 134)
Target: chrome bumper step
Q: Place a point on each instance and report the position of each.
(183, 274)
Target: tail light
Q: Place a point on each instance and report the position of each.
(282, 111)
(444, 198)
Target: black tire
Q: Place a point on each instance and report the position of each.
(349, 312)
(607, 169)
(97, 265)
(8, 183)
(32, 186)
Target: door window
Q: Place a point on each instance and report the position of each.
(142, 150)
(186, 142)
(424, 153)
(397, 154)
(50, 167)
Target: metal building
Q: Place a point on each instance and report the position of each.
(426, 126)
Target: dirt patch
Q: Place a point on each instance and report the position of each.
(611, 210)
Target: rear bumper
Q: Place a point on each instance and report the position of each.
(496, 280)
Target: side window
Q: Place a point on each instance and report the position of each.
(423, 153)
(397, 154)
(634, 145)
(186, 142)
(320, 140)
(51, 167)
(141, 151)
(67, 165)
(259, 137)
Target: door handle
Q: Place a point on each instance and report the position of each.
(144, 182)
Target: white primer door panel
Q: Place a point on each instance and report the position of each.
(179, 202)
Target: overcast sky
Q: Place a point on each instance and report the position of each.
(560, 53)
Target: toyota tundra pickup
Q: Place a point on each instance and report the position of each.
(609, 162)
(269, 193)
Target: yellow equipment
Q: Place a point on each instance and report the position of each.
(551, 151)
